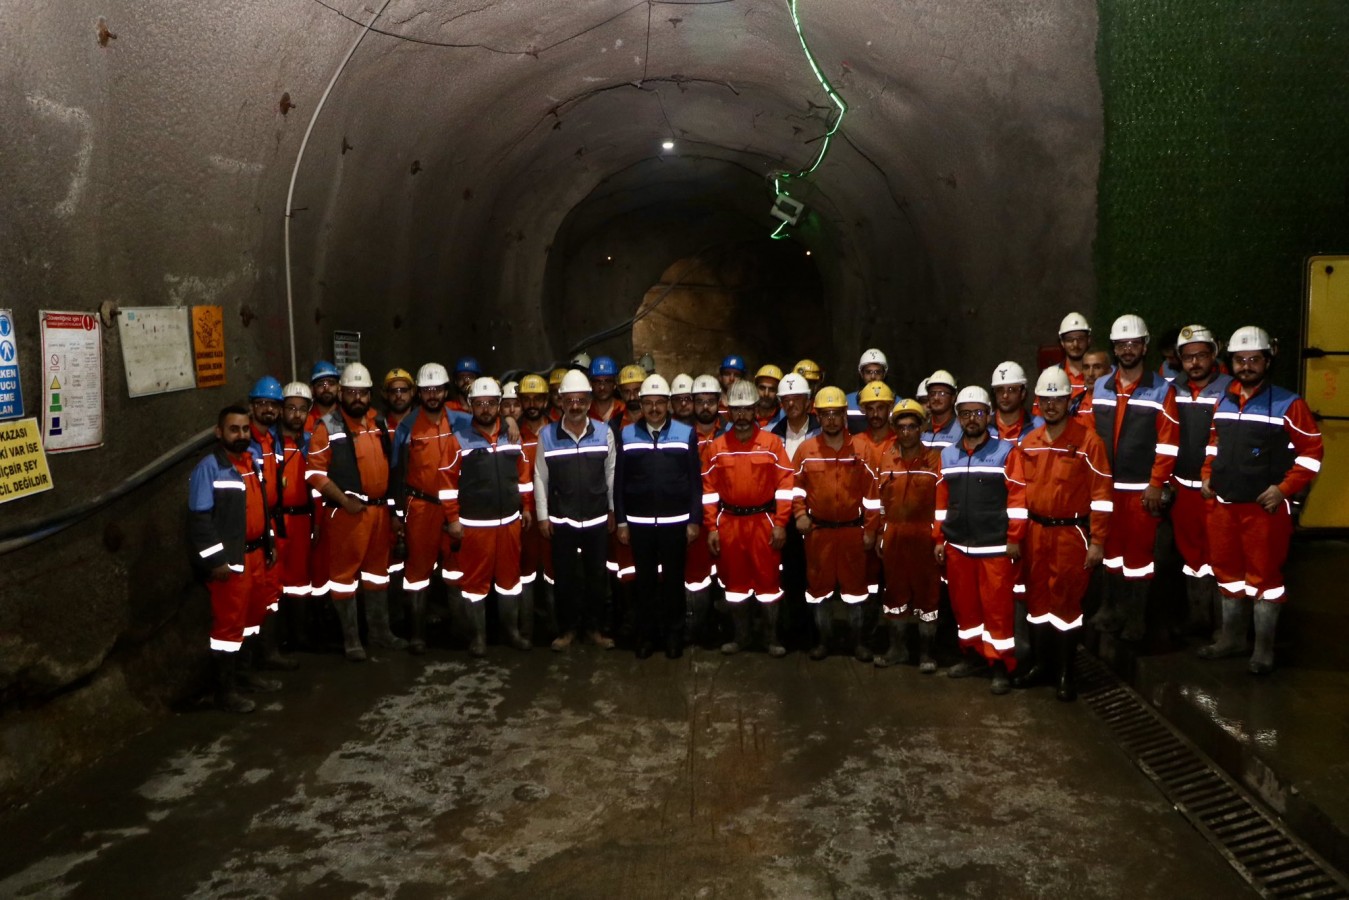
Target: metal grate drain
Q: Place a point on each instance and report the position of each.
(1252, 840)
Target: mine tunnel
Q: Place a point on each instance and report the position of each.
(522, 182)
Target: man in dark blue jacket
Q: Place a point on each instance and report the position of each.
(658, 491)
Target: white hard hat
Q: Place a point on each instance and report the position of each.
(922, 390)
(581, 359)
(485, 387)
(1008, 373)
(1073, 322)
(706, 384)
(1196, 334)
(1053, 382)
(793, 385)
(297, 389)
(1249, 337)
(872, 357)
(682, 384)
(941, 376)
(574, 382)
(973, 394)
(356, 375)
(509, 390)
(654, 386)
(742, 393)
(1129, 328)
(432, 375)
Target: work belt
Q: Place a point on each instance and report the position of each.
(250, 546)
(296, 510)
(825, 523)
(749, 510)
(1045, 520)
(373, 501)
(422, 495)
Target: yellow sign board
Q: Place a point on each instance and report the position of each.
(208, 345)
(23, 462)
(1325, 386)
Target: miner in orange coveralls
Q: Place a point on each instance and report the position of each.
(900, 509)
(832, 480)
(699, 569)
(747, 500)
(1069, 497)
(294, 550)
(349, 467)
(264, 402)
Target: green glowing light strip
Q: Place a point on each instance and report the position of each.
(842, 105)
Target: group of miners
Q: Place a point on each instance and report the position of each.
(606, 482)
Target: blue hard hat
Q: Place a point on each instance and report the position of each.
(734, 361)
(467, 364)
(602, 366)
(323, 369)
(266, 388)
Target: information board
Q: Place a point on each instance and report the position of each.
(11, 394)
(157, 350)
(208, 345)
(72, 381)
(23, 465)
(346, 348)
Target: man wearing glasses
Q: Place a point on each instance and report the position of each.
(980, 522)
(699, 567)
(1137, 419)
(943, 428)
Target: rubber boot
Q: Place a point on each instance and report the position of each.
(1038, 666)
(271, 656)
(1108, 618)
(1266, 623)
(302, 630)
(1067, 650)
(971, 663)
(1001, 683)
(824, 629)
(227, 697)
(898, 653)
(927, 636)
(1199, 604)
(1232, 636)
(250, 659)
(508, 614)
(857, 626)
(740, 621)
(697, 604)
(348, 617)
(771, 638)
(527, 613)
(1134, 604)
(377, 619)
(477, 626)
(417, 615)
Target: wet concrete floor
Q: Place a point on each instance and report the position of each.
(591, 774)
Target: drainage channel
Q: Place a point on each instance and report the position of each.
(1252, 840)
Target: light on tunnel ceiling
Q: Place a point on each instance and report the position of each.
(667, 145)
(807, 253)
(494, 346)
(608, 259)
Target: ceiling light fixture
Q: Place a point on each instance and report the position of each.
(667, 145)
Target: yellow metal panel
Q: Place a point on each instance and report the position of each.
(1326, 387)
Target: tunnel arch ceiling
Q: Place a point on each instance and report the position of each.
(962, 182)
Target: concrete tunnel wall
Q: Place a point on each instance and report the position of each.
(148, 148)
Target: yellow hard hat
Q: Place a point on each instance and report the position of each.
(909, 408)
(831, 398)
(533, 384)
(555, 377)
(808, 369)
(768, 371)
(632, 375)
(399, 375)
(873, 391)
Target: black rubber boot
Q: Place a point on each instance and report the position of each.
(927, 636)
(250, 659)
(271, 656)
(377, 620)
(1108, 618)
(740, 621)
(824, 629)
(1266, 623)
(1001, 683)
(349, 618)
(898, 652)
(227, 697)
(1135, 606)
(476, 613)
(1067, 648)
(508, 613)
(697, 604)
(1232, 636)
(417, 615)
(857, 625)
(1039, 665)
(771, 638)
(1199, 605)
(971, 663)
(527, 612)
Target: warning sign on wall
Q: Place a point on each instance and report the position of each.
(72, 381)
(23, 465)
(11, 395)
(208, 345)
